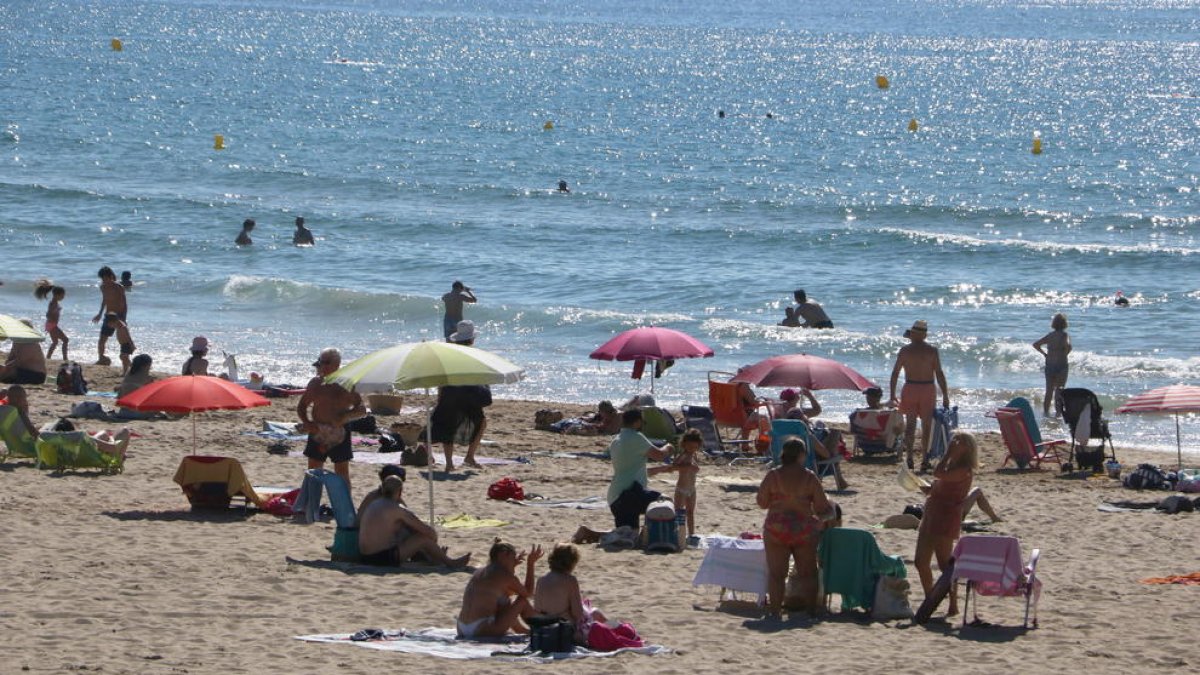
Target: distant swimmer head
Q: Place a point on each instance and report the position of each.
(562, 186)
(1121, 300)
(800, 295)
(248, 224)
(721, 114)
(299, 221)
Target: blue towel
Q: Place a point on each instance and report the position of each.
(308, 501)
(945, 420)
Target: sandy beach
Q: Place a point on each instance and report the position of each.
(115, 574)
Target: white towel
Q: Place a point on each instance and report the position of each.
(1083, 428)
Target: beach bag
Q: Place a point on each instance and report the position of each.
(605, 638)
(70, 379)
(1146, 477)
(208, 495)
(363, 425)
(506, 488)
(89, 410)
(418, 456)
(390, 443)
(543, 420)
(662, 530)
(550, 635)
(1189, 480)
(891, 599)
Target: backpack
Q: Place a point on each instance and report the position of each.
(70, 379)
(506, 488)
(1147, 477)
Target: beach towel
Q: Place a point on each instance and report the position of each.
(390, 458)
(443, 643)
(1192, 579)
(463, 521)
(584, 503)
(735, 564)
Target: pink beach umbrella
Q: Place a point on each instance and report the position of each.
(1179, 398)
(651, 343)
(802, 370)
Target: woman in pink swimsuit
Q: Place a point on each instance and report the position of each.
(796, 507)
(941, 522)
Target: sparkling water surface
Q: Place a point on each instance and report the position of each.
(410, 136)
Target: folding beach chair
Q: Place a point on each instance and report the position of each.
(729, 410)
(308, 502)
(945, 420)
(872, 432)
(851, 565)
(211, 482)
(1082, 412)
(782, 429)
(1021, 448)
(992, 566)
(658, 425)
(700, 418)
(18, 442)
(59, 450)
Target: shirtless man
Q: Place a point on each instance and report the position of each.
(112, 301)
(454, 300)
(324, 410)
(302, 236)
(495, 600)
(921, 365)
(26, 364)
(243, 238)
(389, 534)
(812, 313)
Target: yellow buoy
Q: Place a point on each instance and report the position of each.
(912, 124)
(1037, 143)
(548, 125)
(881, 81)
(117, 45)
(218, 142)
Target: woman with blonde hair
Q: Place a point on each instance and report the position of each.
(941, 522)
(1054, 346)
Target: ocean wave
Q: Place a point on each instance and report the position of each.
(1039, 246)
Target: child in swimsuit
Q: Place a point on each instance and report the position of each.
(685, 485)
(53, 312)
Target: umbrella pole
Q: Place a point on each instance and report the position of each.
(429, 453)
(653, 363)
(1178, 444)
(193, 432)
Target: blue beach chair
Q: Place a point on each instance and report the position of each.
(782, 429)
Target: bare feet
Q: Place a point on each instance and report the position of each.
(472, 463)
(459, 563)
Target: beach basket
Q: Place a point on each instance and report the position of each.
(409, 431)
(385, 404)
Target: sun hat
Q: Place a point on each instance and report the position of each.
(199, 344)
(918, 326)
(463, 332)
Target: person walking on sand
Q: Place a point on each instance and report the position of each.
(1054, 346)
(53, 313)
(112, 301)
(495, 600)
(921, 365)
(454, 300)
(814, 315)
(302, 236)
(324, 411)
(243, 238)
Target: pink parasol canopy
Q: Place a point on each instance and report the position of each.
(802, 370)
(650, 343)
(1178, 398)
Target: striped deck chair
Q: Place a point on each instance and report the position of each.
(992, 566)
(18, 442)
(61, 450)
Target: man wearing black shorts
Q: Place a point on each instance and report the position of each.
(324, 411)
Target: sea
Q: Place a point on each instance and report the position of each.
(719, 156)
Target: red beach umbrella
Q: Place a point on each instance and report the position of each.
(1179, 398)
(651, 343)
(191, 394)
(802, 370)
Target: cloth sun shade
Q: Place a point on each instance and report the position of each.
(191, 394)
(1179, 398)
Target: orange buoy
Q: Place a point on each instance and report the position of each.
(218, 142)
(117, 45)
(881, 81)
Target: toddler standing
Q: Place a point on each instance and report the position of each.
(685, 485)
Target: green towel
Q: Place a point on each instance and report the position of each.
(851, 564)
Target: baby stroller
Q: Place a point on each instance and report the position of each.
(1084, 415)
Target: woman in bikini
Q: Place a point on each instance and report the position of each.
(796, 507)
(941, 522)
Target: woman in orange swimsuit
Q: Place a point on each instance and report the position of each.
(941, 522)
(796, 507)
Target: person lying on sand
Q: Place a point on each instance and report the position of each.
(495, 601)
(389, 534)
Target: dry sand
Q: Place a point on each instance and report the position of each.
(114, 573)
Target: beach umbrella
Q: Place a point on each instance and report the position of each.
(1179, 398)
(650, 343)
(191, 394)
(422, 365)
(802, 370)
(12, 328)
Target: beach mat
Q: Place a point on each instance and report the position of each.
(584, 503)
(394, 458)
(1192, 579)
(443, 643)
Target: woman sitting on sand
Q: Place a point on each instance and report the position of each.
(796, 507)
(941, 522)
(557, 593)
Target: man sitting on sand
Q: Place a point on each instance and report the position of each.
(921, 365)
(377, 493)
(495, 601)
(390, 534)
(26, 364)
(324, 410)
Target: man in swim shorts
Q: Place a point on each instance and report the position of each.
(390, 534)
(112, 301)
(324, 411)
(495, 601)
(921, 365)
(813, 314)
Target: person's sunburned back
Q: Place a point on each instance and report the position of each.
(553, 594)
(381, 522)
(919, 361)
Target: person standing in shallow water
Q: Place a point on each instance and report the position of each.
(454, 300)
(243, 238)
(302, 236)
(922, 366)
(1054, 346)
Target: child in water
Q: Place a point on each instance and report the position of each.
(685, 485)
(56, 293)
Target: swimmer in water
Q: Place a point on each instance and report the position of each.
(562, 186)
(1121, 300)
